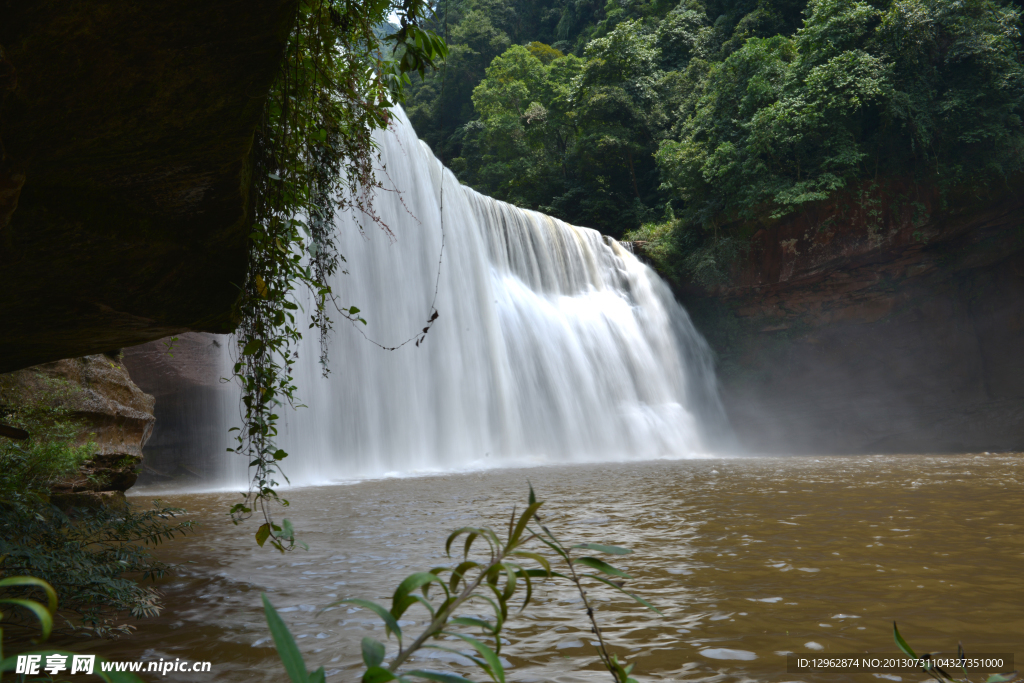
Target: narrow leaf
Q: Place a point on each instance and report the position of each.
(401, 600)
(31, 581)
(37, 608)
(389, 621)
(459, 572)
(494, 667)
(622, 590)
(600, 566)
(902, 644)
(286, 648)
(523, 521)
(608, 549)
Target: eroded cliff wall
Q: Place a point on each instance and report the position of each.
(889, 325)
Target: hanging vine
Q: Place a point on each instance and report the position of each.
(314, 156)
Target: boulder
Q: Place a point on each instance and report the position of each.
(117, 416)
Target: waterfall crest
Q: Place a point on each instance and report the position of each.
(553, 344)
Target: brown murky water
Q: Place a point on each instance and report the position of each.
(759, 555)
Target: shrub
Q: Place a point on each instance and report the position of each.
(83, 553)
(496, 577)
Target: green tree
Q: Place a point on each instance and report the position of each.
(922, 89)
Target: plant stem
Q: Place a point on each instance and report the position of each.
(602, 650)
(441, 620)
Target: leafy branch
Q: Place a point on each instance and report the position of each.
(314, 156)
(500, 575)
(44, 615)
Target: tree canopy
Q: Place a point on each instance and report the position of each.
(712, 113)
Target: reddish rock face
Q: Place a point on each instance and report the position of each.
(117, 414)
(878, 323)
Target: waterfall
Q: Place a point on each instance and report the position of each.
(553, 344)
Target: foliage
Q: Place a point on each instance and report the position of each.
(52, 450)
(499, 579)
(87, 555)
(927, 88)
(314, 155)
(44, 615)
(713, 116)
(570, 136)
(938, 673)
(84, 554)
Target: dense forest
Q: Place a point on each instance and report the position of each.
(684, 125)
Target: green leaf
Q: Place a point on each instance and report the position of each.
(437, 676)
(473, 621)
(389, 621)
(318, 676)
(459, 572)
(623, 590)
(1001, 678)
(401, 600)
(902, 644)
(252, 347)
(600, 566)
(373, 652)
(353, 310)
(33, 582)
(608, 549)
(377, 674)
(494, 668)
(536, 557)
(473, 534)
(294, 665)
(523, 521)
(37, 608)
(262, 534)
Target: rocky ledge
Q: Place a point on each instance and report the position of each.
(117, 417)
(126, 134)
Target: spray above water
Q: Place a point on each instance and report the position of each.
(554, 344)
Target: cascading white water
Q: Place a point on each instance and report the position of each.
(554, 344)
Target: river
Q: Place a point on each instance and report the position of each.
(746, 557)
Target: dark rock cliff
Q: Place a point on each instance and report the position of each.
(887, 321)
(126, 130)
